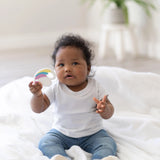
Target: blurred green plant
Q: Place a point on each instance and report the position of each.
(122, 4)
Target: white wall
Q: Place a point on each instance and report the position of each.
(34, 23)
(34, 16)
(148, 33)
(146, 28)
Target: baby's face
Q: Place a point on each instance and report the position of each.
(71, 68)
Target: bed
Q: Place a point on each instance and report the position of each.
(135, 125)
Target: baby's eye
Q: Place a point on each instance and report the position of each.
(61, 65)
(75, 63)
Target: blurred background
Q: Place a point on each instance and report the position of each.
(29, 28)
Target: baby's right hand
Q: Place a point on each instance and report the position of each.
(35, 88)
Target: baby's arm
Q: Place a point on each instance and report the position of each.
(104, 107)
(39, 101)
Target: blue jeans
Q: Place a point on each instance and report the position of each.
(100, 144)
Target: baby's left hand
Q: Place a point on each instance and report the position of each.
(101, 104)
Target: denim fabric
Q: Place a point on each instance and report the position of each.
(100, 144)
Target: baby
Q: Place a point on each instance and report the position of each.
(80, 104)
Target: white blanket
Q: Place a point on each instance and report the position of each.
(135, 125)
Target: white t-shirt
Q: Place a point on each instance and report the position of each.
(75, 112)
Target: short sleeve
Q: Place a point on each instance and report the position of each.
(50, 91)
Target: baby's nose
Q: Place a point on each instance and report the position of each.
(67, 68)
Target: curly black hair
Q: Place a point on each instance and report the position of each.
(77, 41)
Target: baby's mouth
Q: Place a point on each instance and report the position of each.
(68, 76)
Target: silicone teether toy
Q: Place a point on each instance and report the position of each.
(45, 76)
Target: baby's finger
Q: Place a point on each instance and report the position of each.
(99, 110)
(96, 100)
(104, 98)
(101, 105)
(30, 84)
(37, 84)
(107, 100)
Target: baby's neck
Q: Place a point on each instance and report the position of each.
(79, 87)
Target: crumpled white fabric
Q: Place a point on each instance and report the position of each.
(135, 125)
